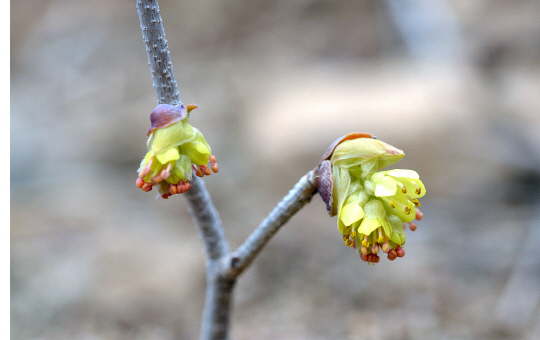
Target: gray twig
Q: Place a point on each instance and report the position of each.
(157, 49)
(218, 295)
(222, 267)
(299, 196)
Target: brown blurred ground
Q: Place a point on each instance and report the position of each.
(92, 257)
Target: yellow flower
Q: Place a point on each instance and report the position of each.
(371, 205)
(175, 148)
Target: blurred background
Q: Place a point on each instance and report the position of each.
(453, 83)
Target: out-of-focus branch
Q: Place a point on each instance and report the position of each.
(299, 196)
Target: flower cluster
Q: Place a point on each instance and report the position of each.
(373, 207)
(175, 148)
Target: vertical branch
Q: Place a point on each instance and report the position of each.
(206, 218)
(158, 52)
(216, 315)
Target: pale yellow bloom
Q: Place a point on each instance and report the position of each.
(371, 205)
(175, 148)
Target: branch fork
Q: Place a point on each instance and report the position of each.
(223, 267)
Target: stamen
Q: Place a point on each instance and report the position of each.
(215, 166)
(163, 175)
(365, 242)
(180, 187)
(392, 255)
(147, 187)
(205, 170)
(381, 238)
(146, 170)
(407, 210)
(197, 171)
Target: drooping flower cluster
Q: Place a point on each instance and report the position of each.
(373, 207)
(174, 149)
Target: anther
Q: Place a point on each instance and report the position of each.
(139, 182)
(165, 196)
(418, 191)
(400, 252)
(180, 188)
(407, 210)
(392, 255)
(392, 204)
(404, 190)
(197, 171)
(147, 187)
(416, 202)
(173, 190)
(187, 185)
(215, 166)
(364, 257)
(364, 250)
(205, 170)
(353, 234)
(345, 237)
(375, 249)
(419, 214)
(385, 247)
(365, 242)
(412, 226)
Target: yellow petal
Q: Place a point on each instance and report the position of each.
(168, 156)
(402, 173)
(386, 186)
(351, 213)
(173, 135)
(368, 225)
